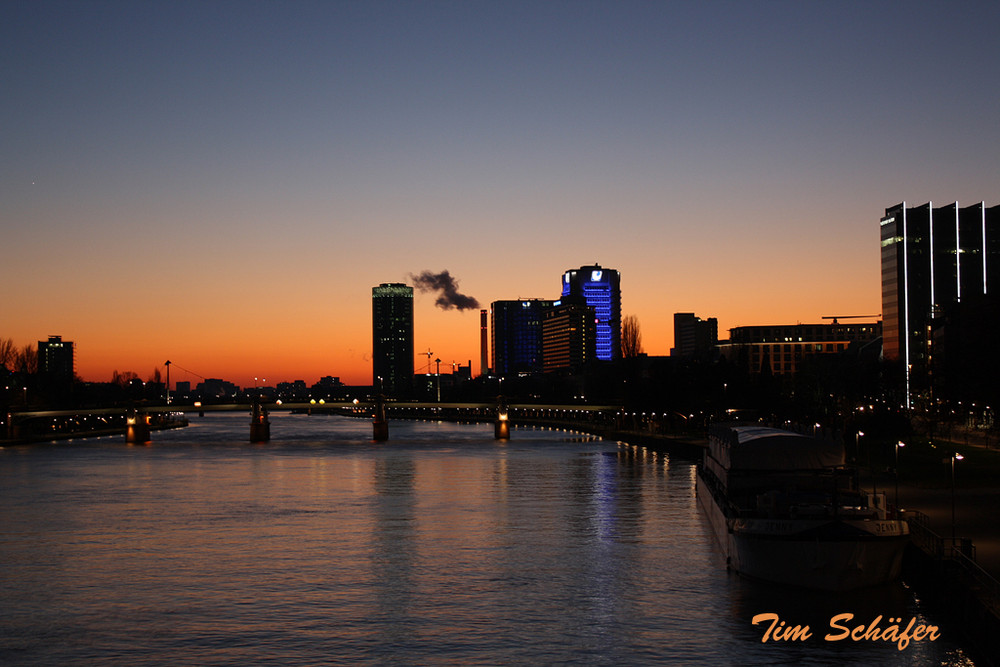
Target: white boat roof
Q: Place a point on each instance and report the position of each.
(765, 448)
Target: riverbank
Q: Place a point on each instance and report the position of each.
(65, 436)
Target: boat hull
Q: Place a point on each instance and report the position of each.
(810, 553)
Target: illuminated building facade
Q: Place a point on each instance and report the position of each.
(600, 289)
(569, 336)
(517, 336)
(392, 339)
(781, 349)
(932, 258)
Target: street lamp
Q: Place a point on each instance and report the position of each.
(167, 364)
(438, 362)
(954, 457)
(898, 445)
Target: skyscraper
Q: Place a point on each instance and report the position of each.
(392, 339)
(600, 289)
(517, 336)
(931, 259)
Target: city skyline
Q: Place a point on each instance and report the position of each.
(222, 184)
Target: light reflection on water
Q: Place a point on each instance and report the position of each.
(440, 546)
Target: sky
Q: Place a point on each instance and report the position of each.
(220, 184)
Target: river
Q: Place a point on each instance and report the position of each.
(441, 546)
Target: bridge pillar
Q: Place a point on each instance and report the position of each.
(137, 428)
(260, 426)
(12, 431)
(380, 424)
(501, 427)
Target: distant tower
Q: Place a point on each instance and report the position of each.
(693, 336)
(484, 344)
(600, 289)
(55, 360)
(392, 339)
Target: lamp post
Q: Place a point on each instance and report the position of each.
(954, 457)
(899, 444)
(438, 362)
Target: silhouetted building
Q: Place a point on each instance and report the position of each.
(963, 361)
(517, 336)
(600, 289)
(694, 337)
(781, 349)
(569, 335)
(392, 339)
(216, 388)
(55, 361)
(327, 387)
(484, 343)
(932, 258)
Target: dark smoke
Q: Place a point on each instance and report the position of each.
(442, 282)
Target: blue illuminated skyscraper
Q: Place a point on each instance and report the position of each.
(600, 289)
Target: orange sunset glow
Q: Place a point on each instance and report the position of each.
(233, 219)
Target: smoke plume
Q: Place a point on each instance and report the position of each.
(449, 296)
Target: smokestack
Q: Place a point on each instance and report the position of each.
(484, 345)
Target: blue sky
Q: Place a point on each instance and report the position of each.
(729, 158)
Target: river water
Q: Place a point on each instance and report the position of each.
(439, 547)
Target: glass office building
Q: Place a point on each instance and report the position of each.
(392, 339)
(932, 258)
(517, 336)
(600, 289)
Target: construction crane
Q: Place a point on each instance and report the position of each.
(850, 317)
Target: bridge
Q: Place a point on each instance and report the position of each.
(137, 423)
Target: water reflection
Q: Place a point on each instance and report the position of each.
(441, 546)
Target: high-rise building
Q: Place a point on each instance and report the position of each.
(600, 289)
(693, 336)
(55, 360)
(517, 336)
(568, 336)
(392, 339)
(932, 257)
